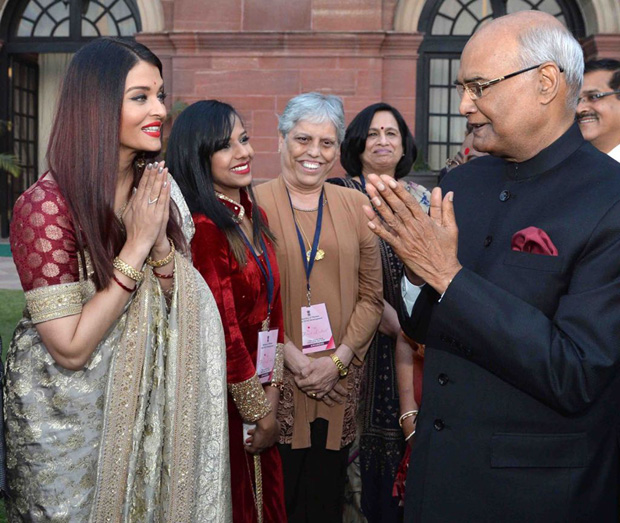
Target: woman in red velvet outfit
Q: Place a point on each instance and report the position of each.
(210, 155)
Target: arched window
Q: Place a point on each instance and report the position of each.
(74, 19)
(34, 33)
(448, 24)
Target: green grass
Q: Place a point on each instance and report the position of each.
(11, 307)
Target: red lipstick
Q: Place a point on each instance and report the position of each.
(243, 168)
(150, 129)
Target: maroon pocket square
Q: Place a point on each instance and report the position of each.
(533, 240)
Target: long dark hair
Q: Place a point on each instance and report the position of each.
(354, 141)
(198, 132)
(83, 152)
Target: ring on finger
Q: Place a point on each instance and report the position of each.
(312, 395)
(151, 202)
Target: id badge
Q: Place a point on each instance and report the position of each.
(316, 332)
(266, 354)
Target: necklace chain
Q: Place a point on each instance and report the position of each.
(119, 213)
(303, 233)
(311, 210)
(320, 253)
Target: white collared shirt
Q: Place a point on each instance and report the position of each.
(410, 293)
(615, 153)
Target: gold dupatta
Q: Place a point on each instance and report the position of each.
(165, 428)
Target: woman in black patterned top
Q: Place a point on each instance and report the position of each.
(379, 141)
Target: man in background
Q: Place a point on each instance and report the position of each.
(598, 111)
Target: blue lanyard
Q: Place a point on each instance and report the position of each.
(363, 182)
(309, 263)
(267, 274)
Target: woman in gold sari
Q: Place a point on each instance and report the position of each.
(115, 396)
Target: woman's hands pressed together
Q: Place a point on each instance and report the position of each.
(146, 220)
(146, 216)
(72, 339)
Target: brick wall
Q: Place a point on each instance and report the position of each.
(256, 55)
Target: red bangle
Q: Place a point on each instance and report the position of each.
(122, 285)
(163, 276)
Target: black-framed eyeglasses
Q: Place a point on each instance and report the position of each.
(474, 89)
(595, 97)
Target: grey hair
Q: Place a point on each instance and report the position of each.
(314, 108)
(552, 43)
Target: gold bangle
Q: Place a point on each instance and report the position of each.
(342, 370)
(407, 415)
(163, 261)
(410, 435)
(127, 270)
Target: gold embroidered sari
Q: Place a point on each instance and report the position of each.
(139, 434)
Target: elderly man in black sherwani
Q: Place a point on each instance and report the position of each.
(520, 311)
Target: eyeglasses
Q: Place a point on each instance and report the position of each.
(595, 97)
(474, 89)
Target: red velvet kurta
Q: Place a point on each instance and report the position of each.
(241, 296)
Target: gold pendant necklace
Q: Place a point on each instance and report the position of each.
(320, 253)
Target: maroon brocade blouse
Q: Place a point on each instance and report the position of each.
(43, 237)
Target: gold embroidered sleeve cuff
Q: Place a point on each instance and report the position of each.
(55, 301)
(277, 378)
(250, 399)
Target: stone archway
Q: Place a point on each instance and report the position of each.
(151, 15)
(600, 16)
(407, 15)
